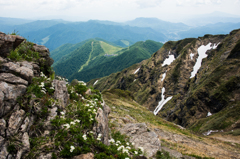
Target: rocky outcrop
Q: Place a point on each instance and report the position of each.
(8, 43)
(85, 156)
(15, 77)
(141, 136)
(102, 123)
(61, 93)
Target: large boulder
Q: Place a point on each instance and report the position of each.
(9, 43)
(61, 93)
(141, 136)
(101, 127)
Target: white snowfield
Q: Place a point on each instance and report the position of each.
(202, 54)
(168, 60)
(137, 70)
(191, 56)
(164, 75)
(162, 102)
(95, 82)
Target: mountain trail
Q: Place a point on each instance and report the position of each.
(87, 60)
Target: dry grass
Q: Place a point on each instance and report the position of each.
(174, 137)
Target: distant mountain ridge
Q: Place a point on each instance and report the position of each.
(96, 58)
(54, 33)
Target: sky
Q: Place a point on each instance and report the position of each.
(114, 10)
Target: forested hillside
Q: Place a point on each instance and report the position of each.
(96, 59)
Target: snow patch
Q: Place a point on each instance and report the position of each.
(215, 45)
(162, 102)
(209, 114)
(168, 60)
(137, 70)
(95, 82)
(209, 132)
(191, 56)
(202, 54)
(163, 76)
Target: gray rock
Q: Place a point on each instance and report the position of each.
(85, 156)
(8, 96)
(61, 93)
(45, 156)
(15, 122)
(1, 141)
(9, 43)
(142, 137)
(15, 68)
(10, 78)
(25, 124)
(52, 115)
(2, 127)
(172, 153)
(3, 152)
(101, 127)
(25, 146)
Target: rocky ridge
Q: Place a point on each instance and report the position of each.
(173, 91)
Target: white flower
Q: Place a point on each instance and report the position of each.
(91, 119)
(51, 88)
(72, 148)
(121, 147)
(62, 113)
(87, 105)
(118, 142)
(126, 158)
(124, 150)
(66, 125)
(111, 140)
(77, 121)
(98, 138)
(43, 91)
(141, 148)
(84, 137)
(136, 152)
(91, 132)
(42, 84)
(128, 147)
(127, 143)
(82, 83)
(73, 123)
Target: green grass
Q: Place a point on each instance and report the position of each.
(109, 49)
(125, 42)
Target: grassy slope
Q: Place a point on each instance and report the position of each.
(123, 106)
(103, 66)
(109, 49)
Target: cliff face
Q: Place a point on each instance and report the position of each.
(186, 81)
(38, 117)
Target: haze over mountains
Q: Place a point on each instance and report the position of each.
(54, 33)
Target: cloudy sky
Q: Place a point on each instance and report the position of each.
(114, 10)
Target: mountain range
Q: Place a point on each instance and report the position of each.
(96, 58)
(192, 82)
(54, 33)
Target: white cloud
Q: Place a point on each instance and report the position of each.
(148, 3)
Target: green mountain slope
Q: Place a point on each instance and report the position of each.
(97, 58)
(208, 100)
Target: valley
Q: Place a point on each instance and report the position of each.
(142, 98)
